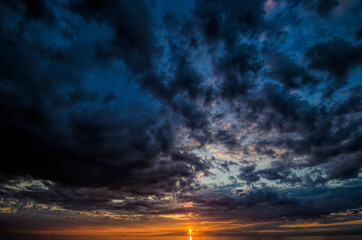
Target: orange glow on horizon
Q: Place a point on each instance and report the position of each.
(189, 229)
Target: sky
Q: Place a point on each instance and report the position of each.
(155, 117)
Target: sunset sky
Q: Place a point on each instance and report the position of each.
(157, 117)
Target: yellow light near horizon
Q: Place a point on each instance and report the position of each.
(190, 231)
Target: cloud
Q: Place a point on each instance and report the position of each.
(322, 7)
(337, 58)
(132, 38)
(59, 129)
(115, 106)
(224, 20)
(279, 204)
(288, 72)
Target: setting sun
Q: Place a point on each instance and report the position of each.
(190, 231)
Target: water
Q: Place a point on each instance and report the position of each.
(37, 237)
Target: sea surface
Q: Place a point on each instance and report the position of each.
(42, 237)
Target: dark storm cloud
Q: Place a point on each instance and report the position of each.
(38, 10)
(322, 7)
(336, 57)
(225, 165)
(247, 173)
(324, 137)
(227, 138)
(132, 40)
(136, 45)
(186, 78)
(224, 20)
(288, 72)
(238, 68)
(270, 204)
(359, 34)
(97, 152)
(273, 108)
(60, 131)
(279, 171)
